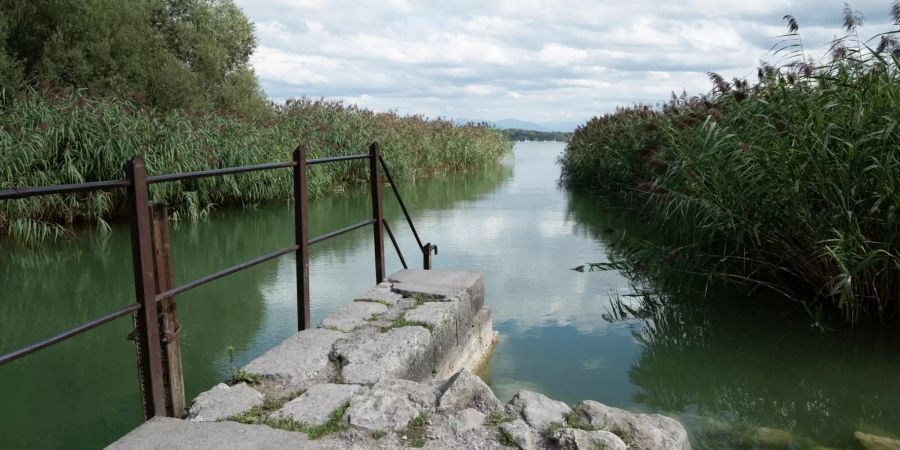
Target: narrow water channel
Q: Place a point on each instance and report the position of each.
(726, 366)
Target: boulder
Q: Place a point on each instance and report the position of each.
(465, 420)
(315, 406)
(575, 439)
(539, 410)
(466, 390)
(223, 401)
(519, 433)
(875, 442)
(390, 405)
(639, 431)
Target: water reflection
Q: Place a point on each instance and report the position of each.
(732, 362)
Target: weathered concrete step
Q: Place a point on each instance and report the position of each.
(168, 434)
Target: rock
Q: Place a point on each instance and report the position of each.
(223, 401)
(575, 439)
(301, 360)
(773, 438)
(874, 442)
(639, 431)
(465, 420)
(390, 405)
(466, 390)
(352, 315)
(175, 434)
(519, 434)
(315, 406)
(398, 353)
(539, 410)
(381, 293)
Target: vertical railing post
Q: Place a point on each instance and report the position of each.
(301, 237)
(375, 182)
(169, 327)
(146, 320)
(426, 256)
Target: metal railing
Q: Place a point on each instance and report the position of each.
(156, 329)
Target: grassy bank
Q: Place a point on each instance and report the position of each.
(71, 138)
(792, 183)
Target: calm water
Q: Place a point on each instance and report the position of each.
(725, 367)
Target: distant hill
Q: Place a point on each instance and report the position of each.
(516, 124)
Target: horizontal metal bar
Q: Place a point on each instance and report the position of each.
(222, 273)
(12, 356)
(326, 236)
(312, 162)
(22, 192)
(217, 172)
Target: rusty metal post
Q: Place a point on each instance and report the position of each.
(147, 346)
(169, 327)
(301, 237)
(375, 182)
(426, 256)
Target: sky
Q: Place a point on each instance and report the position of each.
(556, 63)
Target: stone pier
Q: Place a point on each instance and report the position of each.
(393, 369)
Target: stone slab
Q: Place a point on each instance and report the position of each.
(352, 315)
(465, 390)
(439, 284)
(224, 401)
(317, 404)
(381, 293)
(165, 433)
(301, 360)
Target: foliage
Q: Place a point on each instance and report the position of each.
(416, 430)
(515, 134)
(264, 415)
(791, 183)
(75, 138)
(166, 53)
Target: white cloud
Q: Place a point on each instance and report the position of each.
(545, 61)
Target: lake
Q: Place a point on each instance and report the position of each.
(726, 364)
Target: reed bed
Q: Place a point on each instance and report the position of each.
(791, 183)
(72, 137)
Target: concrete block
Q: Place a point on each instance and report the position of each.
(165, 433)
(300, 361)
(404, 352)
(352, 315)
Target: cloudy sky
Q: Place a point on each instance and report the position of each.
(550, 62)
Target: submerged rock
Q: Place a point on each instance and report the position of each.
(875, 442)
(223, 401)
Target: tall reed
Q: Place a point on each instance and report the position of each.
(792, 183)
(71, 138)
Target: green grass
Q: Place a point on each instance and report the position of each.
(401, 322)
(262, 415)
(72, 138)
(416, 430)
(791, 184)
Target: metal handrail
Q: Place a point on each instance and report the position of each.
(148, 281)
